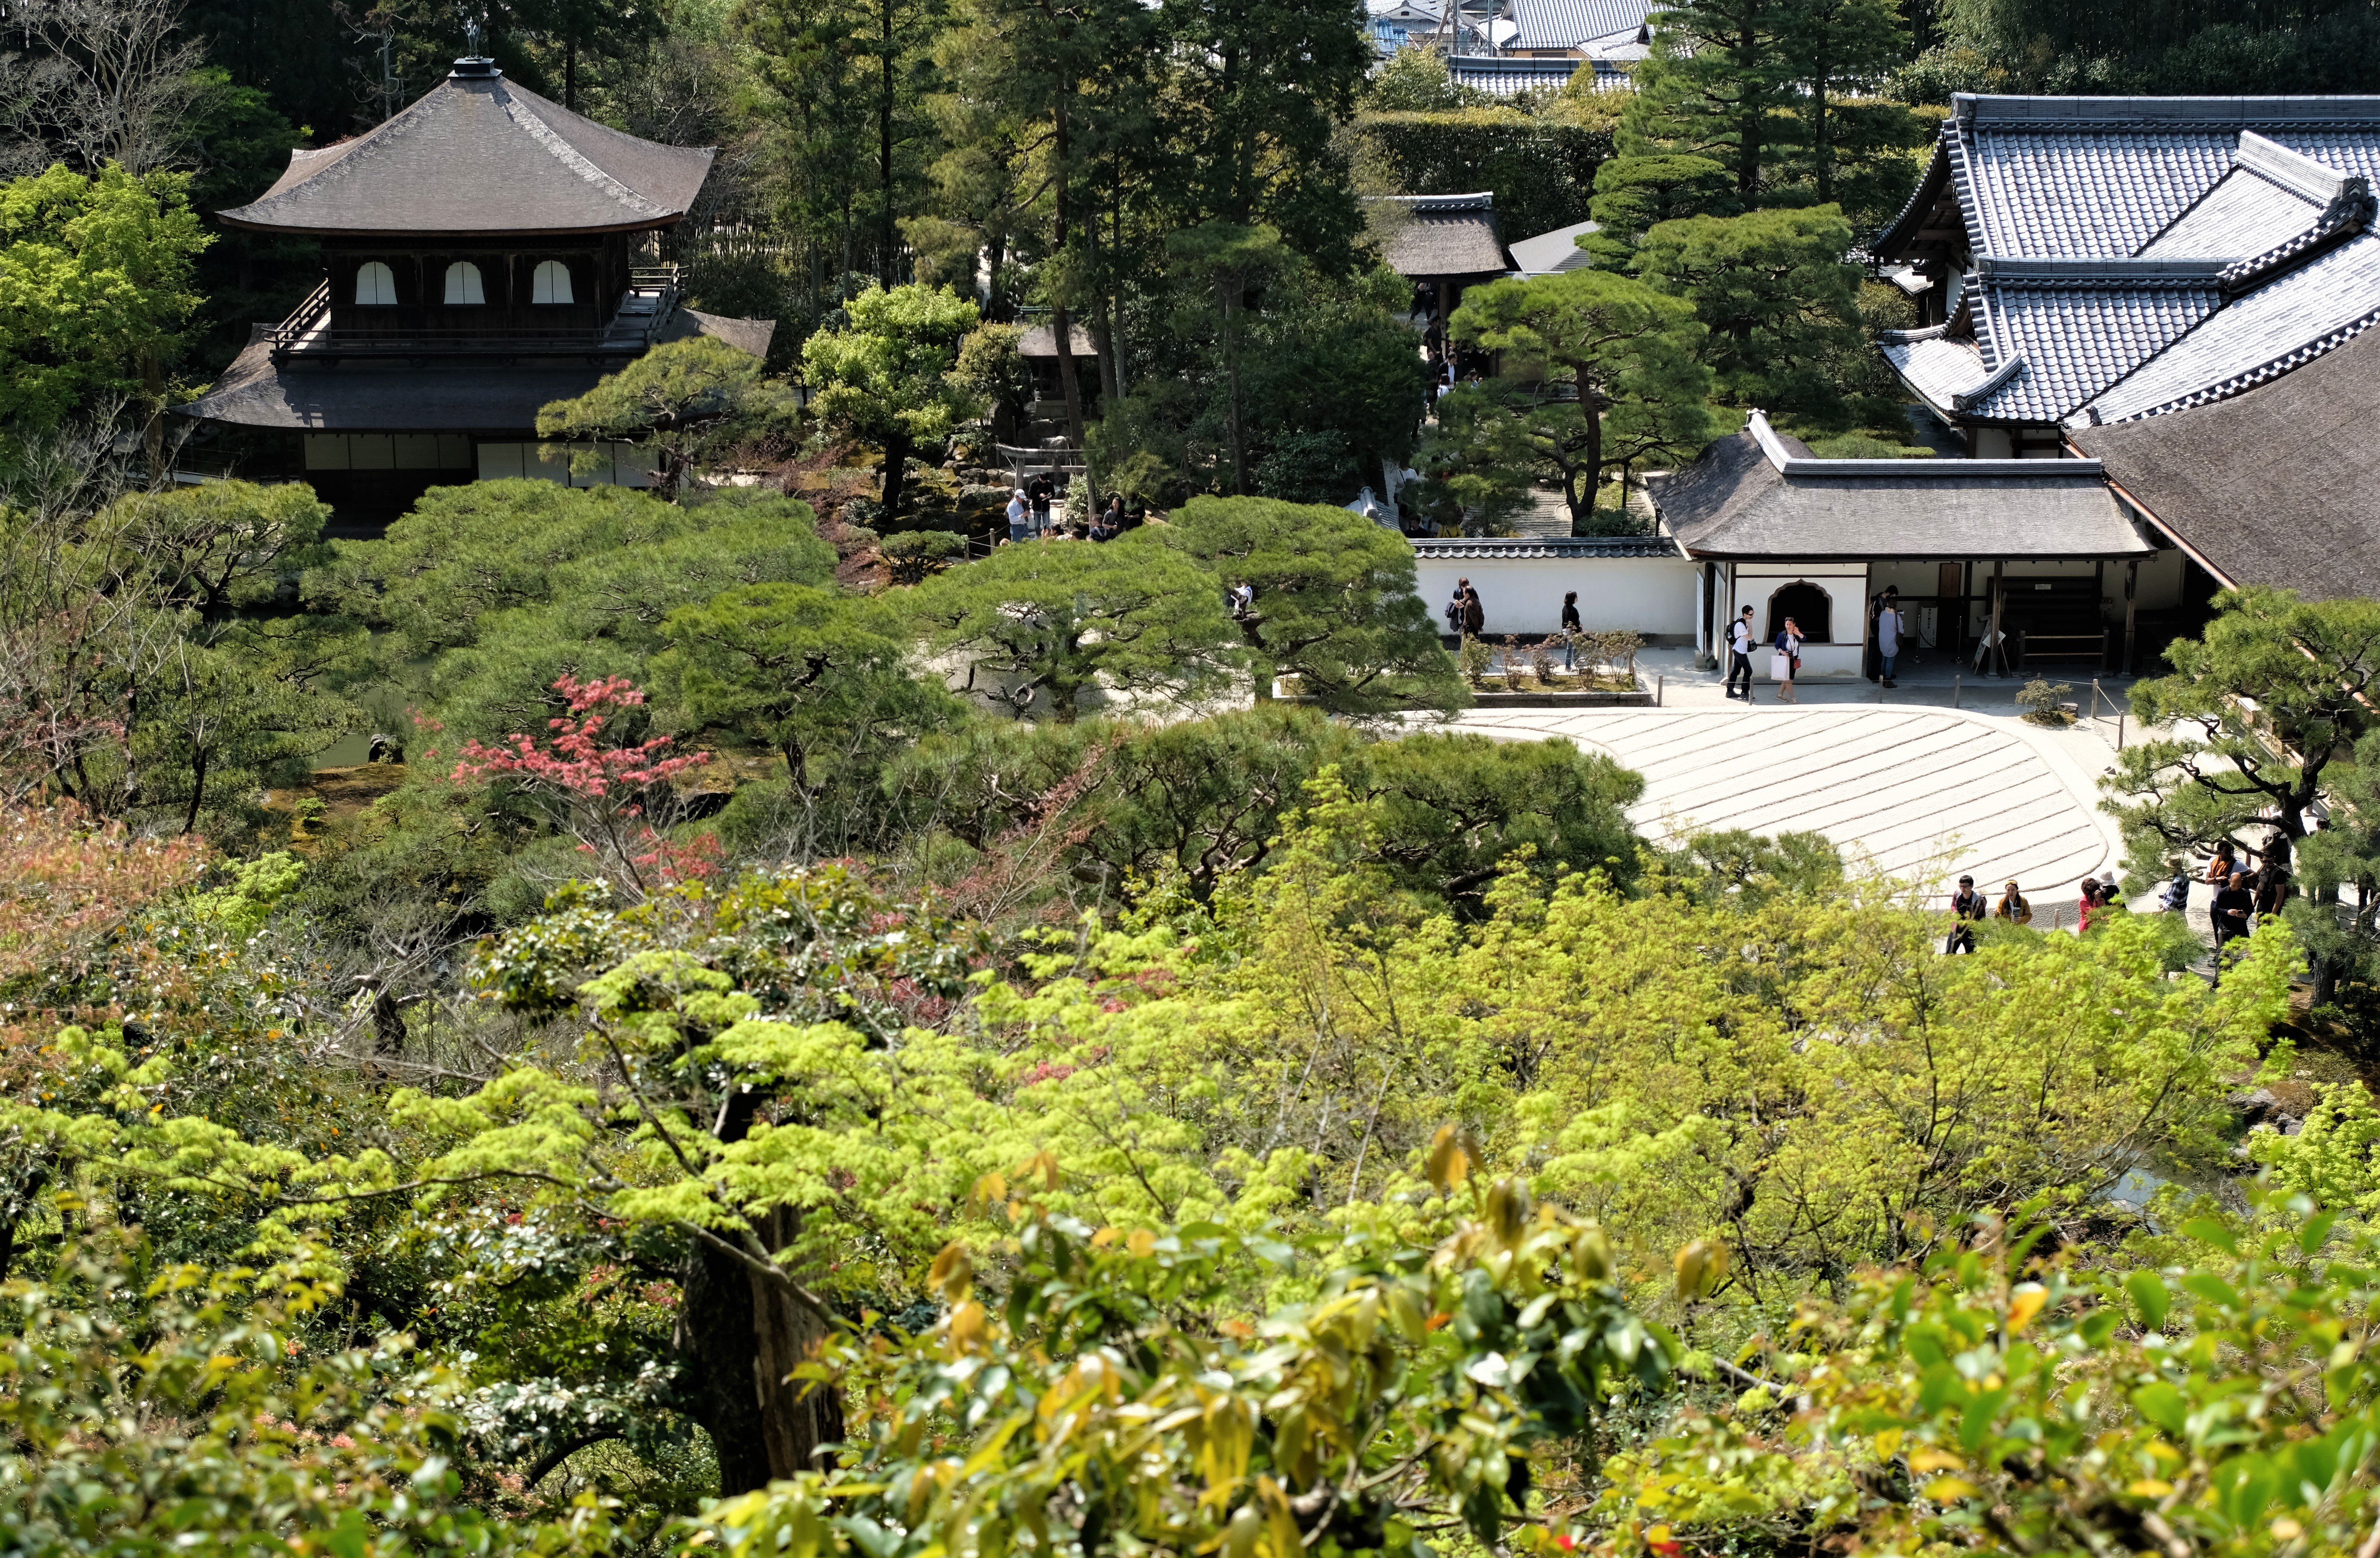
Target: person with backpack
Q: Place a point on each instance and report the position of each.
(1739, 654)
(1968, 909)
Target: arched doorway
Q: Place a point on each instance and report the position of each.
(1810, 607)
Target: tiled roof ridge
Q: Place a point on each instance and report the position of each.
(1445, 205)
(2025, 270)
(2301, 175)
(2241, 383)
(2046, 111)
(561, 150)
(1962, 181)
(2348, 214)
(1539, 546)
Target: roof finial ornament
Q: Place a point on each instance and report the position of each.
(474, 64)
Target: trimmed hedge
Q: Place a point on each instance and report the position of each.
(1542, 171)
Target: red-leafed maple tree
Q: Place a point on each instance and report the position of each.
(603, 793)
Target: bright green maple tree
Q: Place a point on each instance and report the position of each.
(96, 289)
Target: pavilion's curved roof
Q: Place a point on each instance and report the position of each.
(479, 155)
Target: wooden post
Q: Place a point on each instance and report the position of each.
(1999, 598)
(1954, 690)
(1660, 685)
(2131, 588)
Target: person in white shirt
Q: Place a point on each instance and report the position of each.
(1016, 512)
(1739, 653)
(1888, 630)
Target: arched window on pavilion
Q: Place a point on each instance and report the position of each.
(550, 282)
(375, 285)
(463, 284)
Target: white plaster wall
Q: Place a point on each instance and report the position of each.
(1654, 596)
(1847, 600)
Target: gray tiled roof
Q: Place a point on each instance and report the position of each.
(2075, 341)
(1508, 75)
(2239, 345)
(1935, 366)
(2131, 255)
(479, 155)
(2272, 486)
(1566, 24)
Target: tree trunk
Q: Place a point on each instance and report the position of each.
(896, 471)
(738, 1336)
(1230, 287)
(198, 785)
(884, 146)
(1061, 322)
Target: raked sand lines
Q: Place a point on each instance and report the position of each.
(1900, 786)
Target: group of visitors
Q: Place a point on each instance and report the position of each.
(1784, 658)
(1970, 908)
(2242, 900)
(1030, 509)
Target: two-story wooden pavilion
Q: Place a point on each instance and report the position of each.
(487, 252)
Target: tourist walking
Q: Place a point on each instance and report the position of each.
(1017, 511)
(2175, 899)
(1786, 660)
(2272, 890)
(1968, 907)
(2233, 904)
(1454, 608)
(1039, 491)
(1889, 629)
(1571, 628)
(1475, 614)
(1739, 654)
(2012, 907)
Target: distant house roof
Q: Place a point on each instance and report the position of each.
(1506, 75)
(479, 155)
(1041, 340)
(1558, 250)
(382, 396)
(2271, 486)
(1446, 235)
(1760, 494)
(1574, 24)
(2124, 257)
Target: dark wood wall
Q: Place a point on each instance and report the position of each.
(599, 267)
